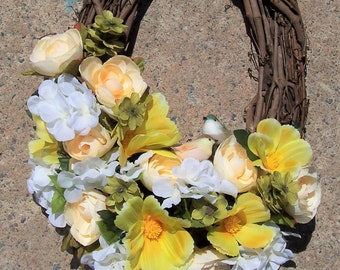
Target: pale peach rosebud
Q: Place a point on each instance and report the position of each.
(82, 217)
(231, 162)
(309, 197)
(200, 149)
(117, 78)
(52, 54)
(159, 166)
(95, 144)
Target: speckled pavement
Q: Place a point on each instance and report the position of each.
(196, 55)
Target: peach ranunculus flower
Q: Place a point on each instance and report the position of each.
(95, 144)
(309, 197)
(82, 217)
(231, 162)
(117, 78)
(279, 148)
(52, 54)
(159, 166)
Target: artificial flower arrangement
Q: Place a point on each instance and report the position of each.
(108, 167)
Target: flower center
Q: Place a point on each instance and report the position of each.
(272, 162)
(232, 224)
(152, 229)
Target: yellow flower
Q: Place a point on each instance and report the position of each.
(279, 148)
(45, 148)
(157, 131)
(239, 227)
(154, 240)
(117, 78)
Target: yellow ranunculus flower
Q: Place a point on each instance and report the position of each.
(158, 166)
(154, 240)
(157, 131)
(45, 148)
(117, 78)
(279, 148)
(232, 163)
(95, 144)
(238, 226)
(82, 217)
(52, 54)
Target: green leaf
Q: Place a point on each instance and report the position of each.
(242, 138)
(30, 73)
(107, 227)
(58, 203)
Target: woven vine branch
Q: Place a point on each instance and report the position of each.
(278, 35)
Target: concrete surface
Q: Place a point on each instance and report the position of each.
(196, 54)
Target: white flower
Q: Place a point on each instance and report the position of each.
(270, 258)
(88, 174)
(132, 170)
(42, 188)
(195, 179)
(309, 196)
(207, 259)
(66, 106)
(109, 257)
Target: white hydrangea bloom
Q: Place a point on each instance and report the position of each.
(90, 173)
(42, 188)
(109, 257)
(195, 179)
(66, 106)
(269, 258)
(85, 176)
(132, 170)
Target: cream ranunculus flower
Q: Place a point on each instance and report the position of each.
(309, 197)
(52, 54)
(159, 166)
(117, 78)
(95, 144)
(231, 162)
(82, 217)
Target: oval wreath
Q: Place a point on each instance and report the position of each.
(109, 171)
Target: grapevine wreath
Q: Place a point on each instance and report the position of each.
(111, 174)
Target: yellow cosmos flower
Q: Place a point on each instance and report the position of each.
(239, 227)
(157, 131)
(154, 240)
(45, 148)
(279, 148)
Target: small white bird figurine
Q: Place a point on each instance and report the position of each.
(200, 149)
(215, 129)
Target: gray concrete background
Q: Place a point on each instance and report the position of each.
(196, 55)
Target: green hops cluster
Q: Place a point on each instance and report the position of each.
(119, 192)
(278, 191)
(106, 35)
